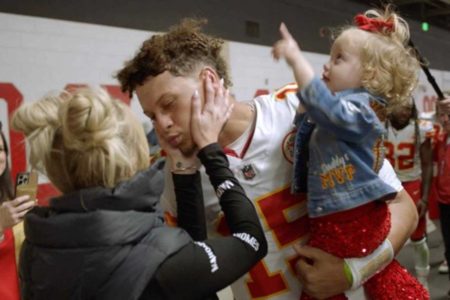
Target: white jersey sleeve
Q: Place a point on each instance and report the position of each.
(426, 129)
(388, 175)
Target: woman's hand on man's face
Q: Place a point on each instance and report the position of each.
(208, 120)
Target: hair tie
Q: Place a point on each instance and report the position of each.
(373, 25)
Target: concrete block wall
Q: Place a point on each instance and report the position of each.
(38, 55)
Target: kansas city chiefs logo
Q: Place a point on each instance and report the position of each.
(288, 146)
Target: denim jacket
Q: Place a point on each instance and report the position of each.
(345, 149)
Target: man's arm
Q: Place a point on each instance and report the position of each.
(426, 161)
(404, 215)
(323, 276)
(404, 220)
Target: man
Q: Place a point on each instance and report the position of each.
(409, 149)
(258, 139)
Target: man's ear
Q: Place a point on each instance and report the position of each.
(207, 71)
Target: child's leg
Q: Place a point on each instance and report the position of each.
(357, 233)
(394, 282)
(353, 233)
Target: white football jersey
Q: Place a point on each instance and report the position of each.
(401, 149)
(265, 172)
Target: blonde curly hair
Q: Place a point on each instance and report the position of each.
(83, 139)
(390, 67)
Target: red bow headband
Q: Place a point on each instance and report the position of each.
(373, 25)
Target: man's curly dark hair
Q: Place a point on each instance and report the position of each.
(178, 51)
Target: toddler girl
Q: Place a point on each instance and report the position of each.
(370, 70)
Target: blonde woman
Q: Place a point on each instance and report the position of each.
(369, 71)
(105, 237)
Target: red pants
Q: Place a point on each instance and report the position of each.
(414, 189)
(9, 281)
(356, 233)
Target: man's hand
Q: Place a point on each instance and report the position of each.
(12, 212)
(422, 208)
(444, 105)
(321, 274)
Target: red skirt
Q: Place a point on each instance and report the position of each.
(356, 233)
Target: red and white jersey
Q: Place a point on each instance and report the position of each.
(401, 149)
(263, 165)
(265, 172)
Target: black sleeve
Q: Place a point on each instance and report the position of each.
(201, 268)
(190, 207)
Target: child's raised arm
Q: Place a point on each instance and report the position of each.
(288, 49)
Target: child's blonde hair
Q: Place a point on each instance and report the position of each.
(389, 66)
(83, 139)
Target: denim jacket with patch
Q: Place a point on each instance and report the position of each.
(339, 145)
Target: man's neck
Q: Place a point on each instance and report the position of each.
(241, 118)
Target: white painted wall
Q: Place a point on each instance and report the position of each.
(252, 68)
(38, 55)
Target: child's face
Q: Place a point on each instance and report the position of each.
(343, 70)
